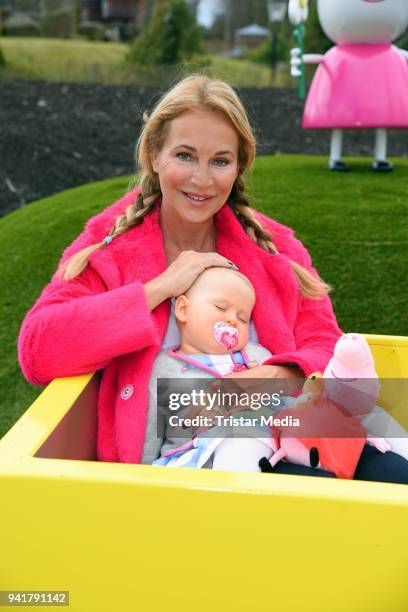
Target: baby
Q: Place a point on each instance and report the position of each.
(213, 317)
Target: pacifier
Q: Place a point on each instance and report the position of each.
(225, 334)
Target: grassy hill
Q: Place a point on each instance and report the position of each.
(79, 61)
(355, 226)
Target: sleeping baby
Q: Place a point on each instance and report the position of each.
(213, 318)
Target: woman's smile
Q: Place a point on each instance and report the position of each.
(196, 200)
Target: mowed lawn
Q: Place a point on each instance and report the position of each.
(355, 226)
(77, 61)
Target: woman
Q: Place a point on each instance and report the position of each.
(108, 305)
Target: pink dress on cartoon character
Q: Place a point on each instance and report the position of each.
(359, 86)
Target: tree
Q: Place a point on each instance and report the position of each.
(171, 37)
(148, 12)
(315, 39)
(234, 14)
(193, 4)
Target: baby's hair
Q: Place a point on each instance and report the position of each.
(232, 270)
(207, 271)
(194, 92)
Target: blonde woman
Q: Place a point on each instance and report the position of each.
(108, 306)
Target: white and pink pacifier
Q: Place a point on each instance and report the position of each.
(227, 336)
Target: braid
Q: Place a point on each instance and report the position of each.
(240, 204)
(310, 285)
(134, 215)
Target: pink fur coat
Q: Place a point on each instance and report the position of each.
(100, 320)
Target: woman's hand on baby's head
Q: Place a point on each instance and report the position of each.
(184, 270)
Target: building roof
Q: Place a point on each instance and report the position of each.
(253, 30)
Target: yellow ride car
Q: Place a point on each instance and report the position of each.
(140, 537)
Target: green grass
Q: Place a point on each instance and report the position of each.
(355, 226)
(77, 61)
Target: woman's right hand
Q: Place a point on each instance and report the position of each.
(181, 274)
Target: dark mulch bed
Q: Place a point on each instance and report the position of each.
(54, 136)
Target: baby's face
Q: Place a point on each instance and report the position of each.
(218, 295)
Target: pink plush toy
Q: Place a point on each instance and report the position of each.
(329, 405)
(352, 359)
(351, 379)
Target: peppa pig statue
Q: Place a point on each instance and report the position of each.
(362, 81)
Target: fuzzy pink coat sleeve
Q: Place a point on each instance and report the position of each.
(79, 326)
(316, 330)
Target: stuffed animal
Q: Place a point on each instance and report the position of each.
(331, 436)
(350, 376)
(328, 438)
(350, 379)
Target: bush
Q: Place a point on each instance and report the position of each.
(263, 53)
(164, 75)
(20, 24)
(315, 41)
(172, 37)
(92, 30)
(2, 59)
(59, 24)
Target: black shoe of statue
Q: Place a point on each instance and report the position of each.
(265, 465)
(338, 166)
(382, 165)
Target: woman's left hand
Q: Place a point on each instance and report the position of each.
(268, 371)
(259, 376)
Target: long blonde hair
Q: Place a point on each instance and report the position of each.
(194, 92)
